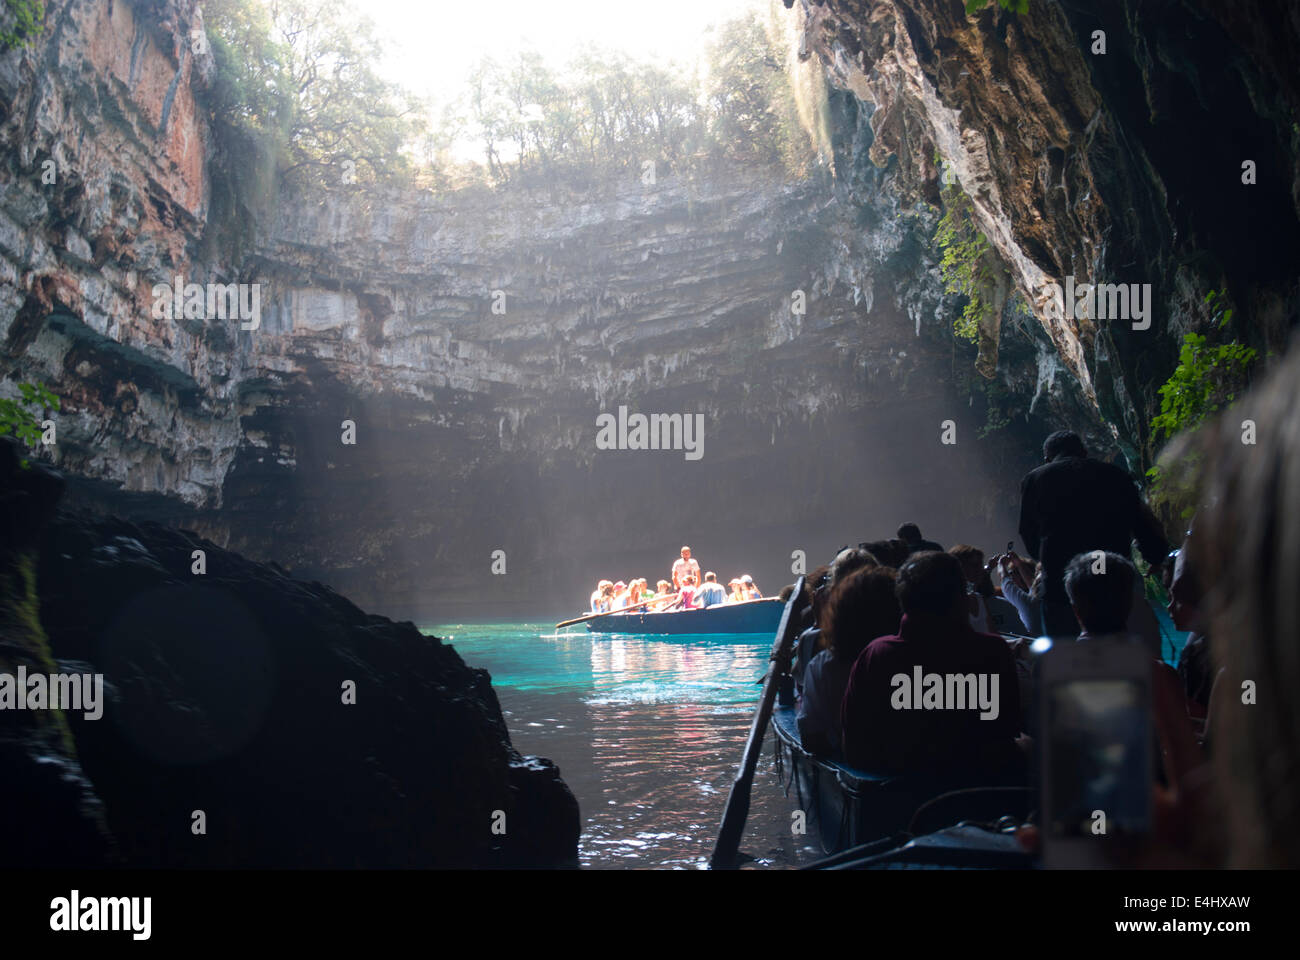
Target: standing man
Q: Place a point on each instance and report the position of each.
(1074, 504)
(685, 565)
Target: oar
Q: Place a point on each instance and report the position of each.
(593, 616)
(733, 821)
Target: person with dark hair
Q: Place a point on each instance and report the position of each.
(890, 553)
(913, 542)
(1073, 504)
(1100, 588)
(846, 561)
(861, 607)
(966, 720)
(994, 614)
(816, 587)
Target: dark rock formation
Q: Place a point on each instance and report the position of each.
(1117, 166)
(56, 819)
(226, 694)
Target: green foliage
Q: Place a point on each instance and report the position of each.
(23, 20)
(1209, 377)
(964, 264)
(18, 420)
(1011, 6)
(604, 116)
(295, 83)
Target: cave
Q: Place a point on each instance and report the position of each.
(404, 379)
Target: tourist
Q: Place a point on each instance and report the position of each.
(913, 542)
(620, 596)
(1022, 587)
(890, 553)
(1073, 504)
(816, 587)
(748, 590)
(600, 597)
(683, 566)
(686, 594)
(994, 614)
(711, 592)
(737, 594)
(860, 608)
(1100, 589)
(890, 727)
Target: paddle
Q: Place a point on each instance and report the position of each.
(727, 847)
(593, 616)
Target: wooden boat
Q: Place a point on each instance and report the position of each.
(748, 616)
(850, 807)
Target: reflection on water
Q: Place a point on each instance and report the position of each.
(648, 733)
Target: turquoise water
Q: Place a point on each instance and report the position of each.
(647, 731)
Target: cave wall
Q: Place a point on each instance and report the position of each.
(1115, 166)
(476, 429)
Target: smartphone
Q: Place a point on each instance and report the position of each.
(1011, 546)
(1097, 749)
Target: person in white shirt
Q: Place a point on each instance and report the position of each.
(683, 566)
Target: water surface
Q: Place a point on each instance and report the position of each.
(647, 731)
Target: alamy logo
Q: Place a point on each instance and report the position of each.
(209, 301)
(73, 913)
(946, 691)
(1102, 301)
(659, 431)
(55, 691)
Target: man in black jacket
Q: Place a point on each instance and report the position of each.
(1073, 504)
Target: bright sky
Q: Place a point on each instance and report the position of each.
(433, 43)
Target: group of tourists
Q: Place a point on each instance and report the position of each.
(686, 590)
(883, 611)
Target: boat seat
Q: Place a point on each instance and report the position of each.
(855, 806)
(965, 846)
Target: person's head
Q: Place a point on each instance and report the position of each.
(662, 585)
(786, 592)
(710, 577)
(931, 584)
(816, 587)
(606, 588)
(972, 565)
(1245, 550)
(686, 553)
(909, 533)
(747, 582)
(1100, 588)
(848, 560)
(861, 607)
(1063, 443)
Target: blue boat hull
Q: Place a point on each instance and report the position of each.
(752, 616)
